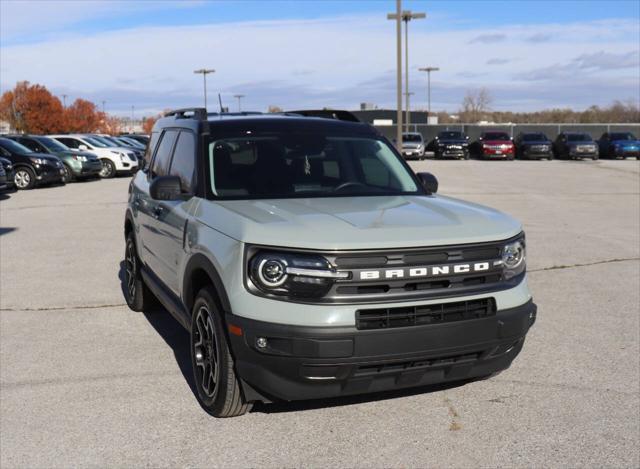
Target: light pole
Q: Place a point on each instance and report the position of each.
(205, 72)
(103, 102)
(239, 97)
(132, 111)
(64, 101)
(397, 16)
(429, 70)
(410, 93)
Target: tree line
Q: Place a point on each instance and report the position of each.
(476, 107)
(33, 109)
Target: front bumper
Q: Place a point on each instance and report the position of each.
(536, 154)
(49, 173)
(412, 152)
(317, 362)
(89, 168)
(626, 153)
(452, 152)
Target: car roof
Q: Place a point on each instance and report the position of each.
(269, 122)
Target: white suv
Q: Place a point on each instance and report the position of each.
(114, 159)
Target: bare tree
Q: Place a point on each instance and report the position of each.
(475, 104)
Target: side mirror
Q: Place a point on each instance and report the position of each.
(429, 182)
(165, 188)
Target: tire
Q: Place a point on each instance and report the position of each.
(68, 175)
(594, 158)
(24, 178)
(218, 388)
(139, 297)
(108, 169)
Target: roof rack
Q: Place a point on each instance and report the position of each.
(199, 113)
(327, 114)
(243, 113)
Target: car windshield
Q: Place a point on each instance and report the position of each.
(52, 144)
(496, 136)
(622, 136)
(302, 165)
(579, 138)
(412, 138)
(13, 147)
(95, 142)
(451, 135)
(105, 141)
(130, 142)
(534, 138)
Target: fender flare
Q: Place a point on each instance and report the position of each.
(201, 262)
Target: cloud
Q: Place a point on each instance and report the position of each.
(587, 63)
(538, 37)
(488, 39)
(498, 61)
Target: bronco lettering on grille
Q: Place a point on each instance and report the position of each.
(430, 271)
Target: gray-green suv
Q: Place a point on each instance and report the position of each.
(308, 261)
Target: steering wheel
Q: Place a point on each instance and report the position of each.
(348, 184)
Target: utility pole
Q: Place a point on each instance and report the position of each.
(397, 16)
(64, 101)
(239, 97)
(205, 72)
(103, 102)
(429, 70)
(410, 93)
(132, 112)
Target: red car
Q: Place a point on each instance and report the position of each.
(495, 144)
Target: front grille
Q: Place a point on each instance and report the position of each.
(407, 316)
(539, 148)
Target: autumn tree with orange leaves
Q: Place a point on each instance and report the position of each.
(32, 109)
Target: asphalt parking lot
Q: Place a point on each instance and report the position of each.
(84, 381)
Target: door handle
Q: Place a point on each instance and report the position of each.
(158, 211)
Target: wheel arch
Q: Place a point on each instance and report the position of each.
(199, 273)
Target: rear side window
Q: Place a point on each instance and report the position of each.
(163, 154)
(151, 146)
(183, 162)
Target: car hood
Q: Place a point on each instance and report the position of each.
(497, 142)
(357, 222)
(411, 144)
(626, 143)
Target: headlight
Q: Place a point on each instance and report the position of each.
(80, 158)
(38, 160)
(292, 274)
(514, 258)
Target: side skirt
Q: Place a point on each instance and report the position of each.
(168, 299)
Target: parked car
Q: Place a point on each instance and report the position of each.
(29, 168)
(575, 145)
(619, 145)
(114, 160)
(533, 146)
(413, 145)
(114, 142)
(450, 144)
(494, 144)
(308, 261)
(77, 165)
(132, 142)
(144, 139)
(7, 167)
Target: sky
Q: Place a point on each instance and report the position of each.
(323, 53)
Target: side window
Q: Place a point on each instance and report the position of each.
(183, 163)
(151, 146)
(162, 159)
(70, 142)
(31, 145)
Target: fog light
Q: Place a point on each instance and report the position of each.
(261, 342)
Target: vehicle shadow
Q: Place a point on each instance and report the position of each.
(174, 335)
(6, 229)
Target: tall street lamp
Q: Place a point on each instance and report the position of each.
(406, 16)
(239, 97)
(397, 16)
(429, 70)
(103, 102)
(205, 72)
(409, 94)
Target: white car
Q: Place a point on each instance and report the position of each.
(114, 159)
